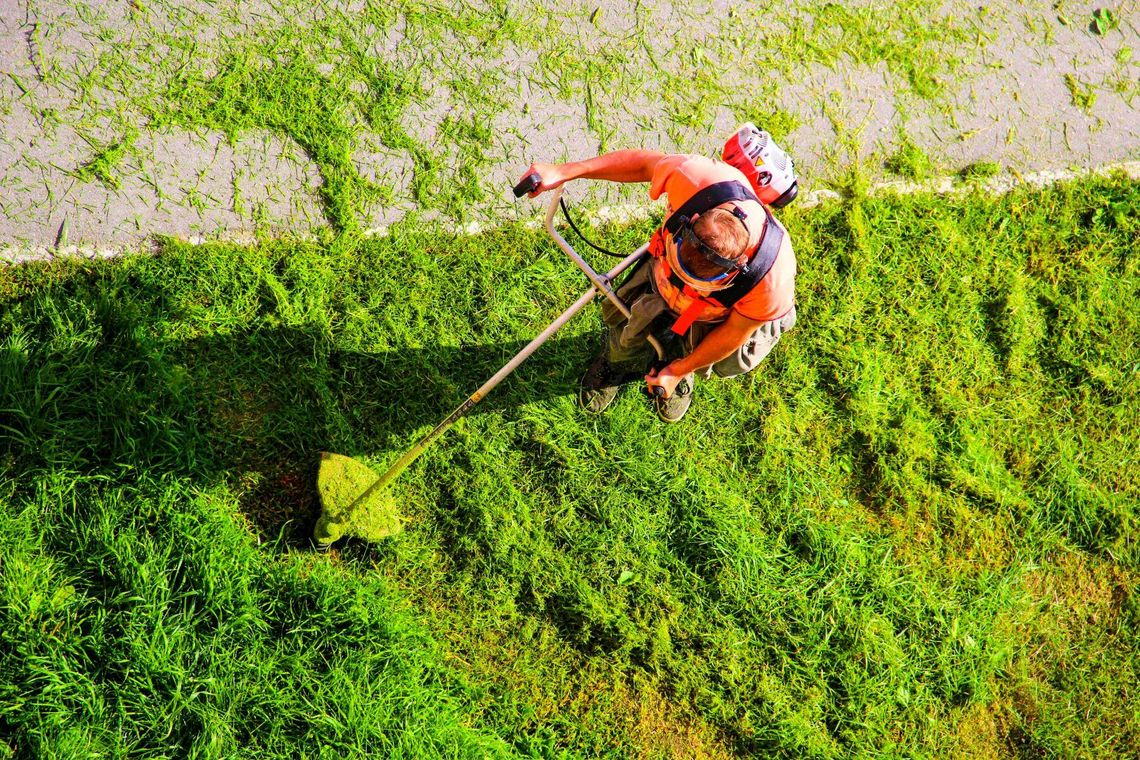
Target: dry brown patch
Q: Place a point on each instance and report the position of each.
(241, 414)
(1075, 674)
(979, 732)
(982, 545)
(279, 499)
(660, 729)
(1076, 591)
(968, 541)
(555, 680)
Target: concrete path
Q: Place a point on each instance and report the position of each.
(1031, 86)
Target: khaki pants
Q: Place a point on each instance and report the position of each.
(629, 351)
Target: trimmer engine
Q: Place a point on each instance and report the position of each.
(768, 168)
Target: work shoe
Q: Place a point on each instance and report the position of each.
(672, 409)
(600, 385)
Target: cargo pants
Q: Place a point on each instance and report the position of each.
(629, 351)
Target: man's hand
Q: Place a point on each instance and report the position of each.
(619, 166)
(550, 176)
(667, 377)
(728, 337)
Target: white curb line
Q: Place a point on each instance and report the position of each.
(17, 253)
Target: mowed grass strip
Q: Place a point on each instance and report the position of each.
(912, 532)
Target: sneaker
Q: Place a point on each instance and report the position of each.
(600, 385)
(672, 409)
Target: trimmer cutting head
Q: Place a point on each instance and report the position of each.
(340, 482)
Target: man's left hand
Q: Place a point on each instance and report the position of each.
(667, 377)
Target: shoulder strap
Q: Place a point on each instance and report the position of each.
(759, 266)
(706, 198)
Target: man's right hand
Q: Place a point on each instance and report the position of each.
(550, 176)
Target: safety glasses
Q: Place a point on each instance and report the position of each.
(715, 282)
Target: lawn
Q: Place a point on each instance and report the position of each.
(912, 532)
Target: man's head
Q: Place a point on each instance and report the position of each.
(722, 233)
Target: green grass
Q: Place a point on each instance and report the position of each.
(910, 161)
(980, 170)
(1081, 94)
(102, 165)
(911, 533)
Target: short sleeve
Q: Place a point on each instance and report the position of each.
(665, 174)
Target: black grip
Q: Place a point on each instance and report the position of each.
(529, 184)
(656, 390)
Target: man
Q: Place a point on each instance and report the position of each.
(720, 285)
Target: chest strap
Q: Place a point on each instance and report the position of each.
(744, 282)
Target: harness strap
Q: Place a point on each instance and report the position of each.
(706, 198)
(758, 267)
(700, 202)
(690, 315)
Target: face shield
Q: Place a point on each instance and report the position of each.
(707, 284)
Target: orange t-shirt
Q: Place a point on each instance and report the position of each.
(679, 177)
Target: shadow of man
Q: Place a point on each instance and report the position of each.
(106, 396)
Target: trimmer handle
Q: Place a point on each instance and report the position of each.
(656, 391)
(529, 184)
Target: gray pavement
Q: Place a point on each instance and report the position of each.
(1036, 90)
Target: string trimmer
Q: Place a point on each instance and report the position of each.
(353, 499)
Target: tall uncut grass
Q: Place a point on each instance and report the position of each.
(911, 532)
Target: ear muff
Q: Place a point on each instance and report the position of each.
(767, 167)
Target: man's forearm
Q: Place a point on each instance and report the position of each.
(718, 344)
(619, 166)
